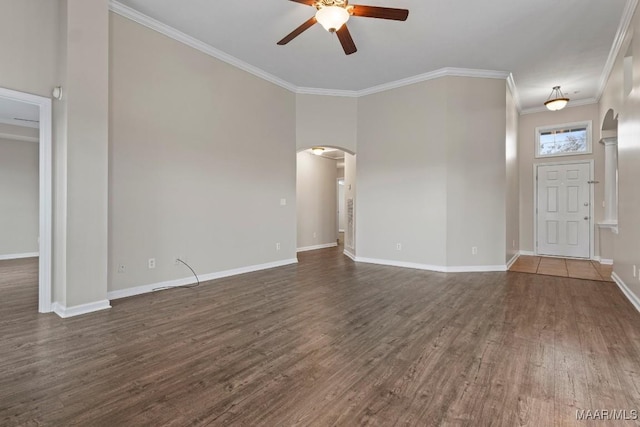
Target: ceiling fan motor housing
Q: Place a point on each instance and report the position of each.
(319, 4)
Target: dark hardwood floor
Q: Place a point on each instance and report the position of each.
(326, 342)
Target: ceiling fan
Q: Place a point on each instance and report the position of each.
(334, 14)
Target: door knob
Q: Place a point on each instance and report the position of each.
(586, 218)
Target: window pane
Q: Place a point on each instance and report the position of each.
(560, 141)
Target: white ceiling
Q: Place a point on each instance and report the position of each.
(543, 43)
(330, 153)
(12, 110)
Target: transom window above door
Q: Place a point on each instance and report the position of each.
(563, 140)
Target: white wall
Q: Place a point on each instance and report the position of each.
(526, 158)
(627, 242)
(201, 153)
(19, 197)
(326, 121)
(316, 200)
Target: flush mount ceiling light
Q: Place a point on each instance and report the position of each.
(557, 100)
(317, 150)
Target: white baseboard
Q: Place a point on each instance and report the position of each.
(19, 256)
(77, 310)
(513, 260)
(438, 268)
(313, 248)
(475, 268)
(138, 290)
(626, 291)
(527, 253)
(603, 261)
(349, 254)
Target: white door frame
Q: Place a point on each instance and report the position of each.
(591, 203)
(46, 197)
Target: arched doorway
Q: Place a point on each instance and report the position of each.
(325, 199)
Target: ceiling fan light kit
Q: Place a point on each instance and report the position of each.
(557, 100)
(332, 17)
(334, 14)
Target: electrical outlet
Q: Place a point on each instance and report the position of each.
(398, 246)
(474, 250)
(513, 245)
(121, 268)
(315, 234)
(283, 202)
(635, 271)
(152, 263)
(277, 246)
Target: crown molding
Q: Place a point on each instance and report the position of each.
(442, 72)
(618, 41)
(576, 103)
(142, 19)
(327, 92)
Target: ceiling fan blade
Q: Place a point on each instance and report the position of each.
(346, 41)
(295, 33)
(307, 2)
(380, 12)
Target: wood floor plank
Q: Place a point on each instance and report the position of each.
(553, 267)
(324, 342)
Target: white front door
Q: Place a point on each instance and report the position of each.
(563, 209)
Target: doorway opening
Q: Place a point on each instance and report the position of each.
(35, 112)
(325, 199)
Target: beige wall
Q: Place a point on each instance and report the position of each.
(526, 154)
(402, 174)
(28, 45)
(512, 243)
(201, 154)
(87, 92)
(432, 174)
(476, 172)
(19, 197)
(14, 132)
(316, 200)
(626, 245)
(65, 42)
(326, 121)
